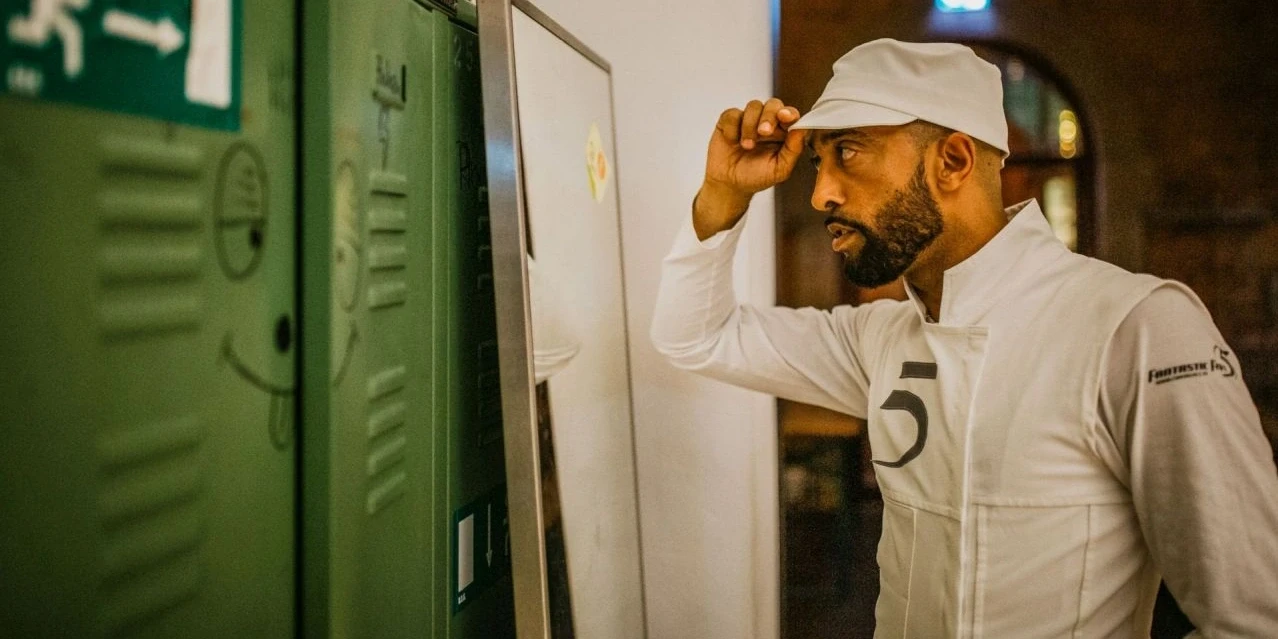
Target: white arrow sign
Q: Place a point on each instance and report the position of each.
(163, 35)
(490, 535)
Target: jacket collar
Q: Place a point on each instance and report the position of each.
(1009, 260)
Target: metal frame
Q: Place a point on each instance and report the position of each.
(560, 32)
(514, 319)
(509, 227)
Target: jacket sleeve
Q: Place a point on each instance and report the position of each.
(1200, 468)
(806, 355)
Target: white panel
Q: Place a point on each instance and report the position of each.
(465, 552)
(709, 524)
(563, 96)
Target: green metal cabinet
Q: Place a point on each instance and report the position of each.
(375, 394)
(402, 429)
(474, 482)
(147, 485)
(242, 349)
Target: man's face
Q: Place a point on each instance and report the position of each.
(872, 185)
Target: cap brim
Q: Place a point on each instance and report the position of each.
(850, 114)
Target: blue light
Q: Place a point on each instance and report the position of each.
(962, 6)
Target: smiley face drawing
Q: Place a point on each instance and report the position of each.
(257, 345)
(346, 275)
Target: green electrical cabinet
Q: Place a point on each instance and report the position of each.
(182, 442)
(481, 599)
(147, 173)
(402, 474)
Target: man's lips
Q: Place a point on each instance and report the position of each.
(843, 236)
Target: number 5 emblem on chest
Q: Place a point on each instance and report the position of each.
(913, 404)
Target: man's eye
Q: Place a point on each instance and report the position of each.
(816, 161)
(846, 154)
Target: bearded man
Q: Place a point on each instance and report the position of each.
(1051, 434)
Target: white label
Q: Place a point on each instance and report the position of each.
(208, 64)
(465, 553)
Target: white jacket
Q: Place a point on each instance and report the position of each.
(1010, 470)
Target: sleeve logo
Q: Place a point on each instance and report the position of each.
(1219, 363)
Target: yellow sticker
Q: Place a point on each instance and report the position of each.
(597, 164)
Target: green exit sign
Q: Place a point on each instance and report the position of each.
(175, 60)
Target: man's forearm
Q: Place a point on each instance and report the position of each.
(717, 208)
(696, 292)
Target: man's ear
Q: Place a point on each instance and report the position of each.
(957, 155)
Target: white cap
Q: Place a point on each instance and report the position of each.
(887, 83)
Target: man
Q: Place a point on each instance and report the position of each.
(1050, 433)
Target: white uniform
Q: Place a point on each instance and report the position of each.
(1067, 432)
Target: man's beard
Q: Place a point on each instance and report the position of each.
(907, 224)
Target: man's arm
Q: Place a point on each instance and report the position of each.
(805, 355)
(1201, 471)
(750, 150)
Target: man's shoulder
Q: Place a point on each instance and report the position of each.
(1090, 281)
(1099, 269)
(1089, 297)
(1098, 289)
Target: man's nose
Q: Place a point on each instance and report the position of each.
(826, 195)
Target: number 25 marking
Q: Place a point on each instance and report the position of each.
(912, 404)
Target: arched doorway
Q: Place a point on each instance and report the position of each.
(1051, 153)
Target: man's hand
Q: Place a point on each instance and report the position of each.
(750, 150)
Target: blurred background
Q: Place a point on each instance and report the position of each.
(1145, 129)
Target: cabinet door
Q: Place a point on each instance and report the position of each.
(377, 481)
(148, 180)
(478, 594)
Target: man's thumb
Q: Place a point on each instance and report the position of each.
(792, 149)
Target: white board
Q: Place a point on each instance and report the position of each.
(563, 99)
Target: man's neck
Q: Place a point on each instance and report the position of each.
(960, 241)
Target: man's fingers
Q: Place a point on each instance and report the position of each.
(750, 123)
(759, 121)
(729, 125)
(768, 124)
